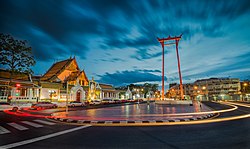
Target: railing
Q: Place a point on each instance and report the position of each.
(23, 99)
(3, 98)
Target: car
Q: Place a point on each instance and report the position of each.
(107, 101)
(138, 100)
(7, 106)
(123, 101)
(76, 104)
(117, 101)
(131, 100)
(95, 102)
(43, 105)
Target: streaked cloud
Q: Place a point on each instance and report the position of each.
(112, 38)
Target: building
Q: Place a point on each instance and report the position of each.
(223, 88)
(61, 77)
(18, 88)
(105, 91)
(209, 89)
(63, 81)
(245, 90)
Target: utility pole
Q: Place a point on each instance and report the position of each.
(67, 92)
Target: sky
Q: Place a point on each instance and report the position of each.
(115, 41)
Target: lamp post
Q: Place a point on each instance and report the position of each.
(67, 92)
(244, 90)
(195, 88)
(205, 92)
(222, 96)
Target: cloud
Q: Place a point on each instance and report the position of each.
(114, 20)
(144, 54)
(126, 77)
(146, 70)
(112, 60)
(58, 29)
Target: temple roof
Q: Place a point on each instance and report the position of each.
(56, 68)
(73, 76)
(17, 76)
(107, 87)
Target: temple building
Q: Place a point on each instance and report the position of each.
(63, 81)
(61, 77)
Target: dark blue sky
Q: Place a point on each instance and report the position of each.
(115, 40)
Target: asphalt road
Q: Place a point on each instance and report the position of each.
(226, 135)
(217, 106)
(229, 134)
(15, 128)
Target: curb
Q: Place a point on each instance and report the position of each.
(93, 122)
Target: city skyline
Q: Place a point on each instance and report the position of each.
(117, 42)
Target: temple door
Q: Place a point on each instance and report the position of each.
(78, 95)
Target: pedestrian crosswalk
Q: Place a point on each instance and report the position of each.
(44, 122)
(24, 125)
(32, 124)
(3, 130)
(17, 126)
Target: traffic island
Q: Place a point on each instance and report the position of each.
(136, 114)
(132, 122)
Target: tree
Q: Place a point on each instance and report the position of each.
(15, 55)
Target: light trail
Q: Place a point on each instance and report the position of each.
(194, 113)
(181, 123)
(239, 104)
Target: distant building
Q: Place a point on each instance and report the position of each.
(128, 94)
(245, 90)
(209, 89)
(105, 91)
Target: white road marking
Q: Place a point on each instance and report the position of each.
(3, 130)
(44, 122)
(17, 126)
(42, 137)
(32, 124)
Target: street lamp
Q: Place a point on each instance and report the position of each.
(222, 96)
(244, 89)
(205, 92)
(195, 92)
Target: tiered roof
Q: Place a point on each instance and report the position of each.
(107, 87)
(56, 69)
(16, 76)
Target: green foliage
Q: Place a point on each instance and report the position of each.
(15, 55)
(150, 87)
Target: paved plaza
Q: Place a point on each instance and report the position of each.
(138, 112)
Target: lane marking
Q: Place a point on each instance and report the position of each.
(180, 122)
(239, 104)
(32, 124)
(17, 126)
(44, 122)
(3, 130)
(42, 137)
